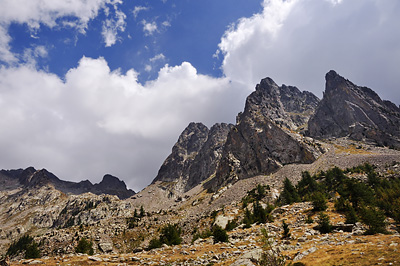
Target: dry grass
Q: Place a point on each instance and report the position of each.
(351, 149)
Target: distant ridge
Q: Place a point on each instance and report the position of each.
(32, 178)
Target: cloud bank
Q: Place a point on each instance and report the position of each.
(99, 121)
(297, 41)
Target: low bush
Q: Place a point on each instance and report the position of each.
(25, 244)
(84, 246)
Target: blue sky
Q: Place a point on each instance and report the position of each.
(89, 87)
(152, 34)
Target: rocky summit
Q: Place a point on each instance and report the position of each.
(264, 138)
(357, 112)
(296, 180)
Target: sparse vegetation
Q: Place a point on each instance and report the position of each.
(219, 234)
(271, 256)
(367, 201)
(84, 246)
(258, 215)
(286, 230)
(324, 223)
(170, 235)
(26, 245)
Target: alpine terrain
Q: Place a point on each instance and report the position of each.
(297, 180)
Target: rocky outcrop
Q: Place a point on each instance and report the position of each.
(111, 185)
(260, 143)
(207, 160)
(357, 112)
(32, 178)
(286, 106)
(194, 157)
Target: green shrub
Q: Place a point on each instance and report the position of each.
(84, 246)
(309, 219)
(24, 244)
(324, 223)
(289, 193)
(319, 201)
(203, 235)
(351, 215)
(232, 224)
(154, 243)
(219, 234)
(171, 235)
(374, 219)
(286, 230)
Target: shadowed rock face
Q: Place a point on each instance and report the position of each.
(207, 160)
(183, 153)
(358, 112)
(260, 142)
(194, 157)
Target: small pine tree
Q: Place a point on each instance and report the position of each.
(219, 234)
(286, 230)
(171, 235)
(259, 213)
(324, 223)
(374, 219)
(351, 215)
(319, 201)
(142, 212)
(248, 218)
(289, 193)
(84, 246)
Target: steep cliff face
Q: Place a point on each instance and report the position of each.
(194, 157)
(177, 165)
(261, 142)
(207, 160)
(357, 112)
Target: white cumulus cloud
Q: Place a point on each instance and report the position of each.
(72, 13)
(139, 9)
(111, 27)
(149, 27)
(99, 121)
(297, 41)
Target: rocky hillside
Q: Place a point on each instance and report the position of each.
(31, 178)
(358, 112)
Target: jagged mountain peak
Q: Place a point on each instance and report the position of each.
(286, 106)
(354, 111)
